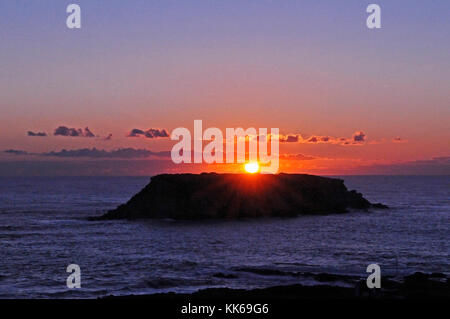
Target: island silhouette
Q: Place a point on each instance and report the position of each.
(234, 196)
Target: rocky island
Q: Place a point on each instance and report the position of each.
(231, 196)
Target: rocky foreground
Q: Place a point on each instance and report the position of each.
(229, 196)
(416, 286)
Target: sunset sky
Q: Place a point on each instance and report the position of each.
(310, 68)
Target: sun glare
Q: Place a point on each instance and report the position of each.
(252, 168)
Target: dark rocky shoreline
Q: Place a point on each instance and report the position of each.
(230, 196)
(416, 286)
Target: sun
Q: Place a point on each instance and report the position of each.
(252, 167)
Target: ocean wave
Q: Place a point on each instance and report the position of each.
(170, 282)
(266, 271)
(12, 228)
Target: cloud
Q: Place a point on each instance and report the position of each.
(88, 133)
(290, 138)
(434, 166)
(135, 133)
(150, 133)
(39, 134)
(15, 152)
(398, 140)
(359, 137)
(154, 133)
(313, 139)
(297, 157)
(117, 153)
(65, 131)
(73, 132)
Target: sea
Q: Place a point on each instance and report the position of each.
(44, 229)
